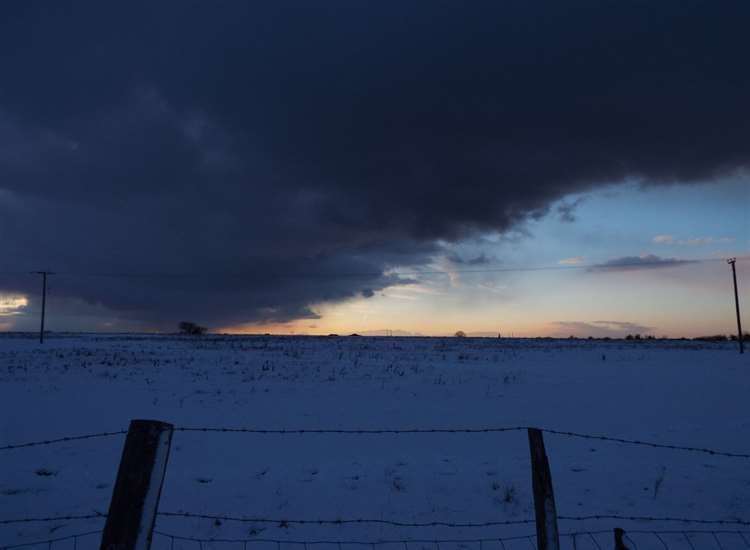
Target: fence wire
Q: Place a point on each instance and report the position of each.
(51, 519)
(663, 538)
(49, 543)
(391, 523)
(646, 443)
(397, 431)
(383, 431)
(387, 431)
(577, 540)
(284, 522)
(62, 440)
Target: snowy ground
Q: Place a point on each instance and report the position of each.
(673, 392)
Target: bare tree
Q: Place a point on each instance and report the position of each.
(191, 329)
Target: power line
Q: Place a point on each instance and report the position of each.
(602, 267)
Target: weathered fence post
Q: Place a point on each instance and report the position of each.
(547, 536)
(135, 498)
(619, 544)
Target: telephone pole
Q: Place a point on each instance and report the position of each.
(731, 261)
(44, 301)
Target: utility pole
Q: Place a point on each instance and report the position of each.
(44, 301)
(731, 261)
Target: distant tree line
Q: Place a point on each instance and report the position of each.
(190, 328)
(724, 338)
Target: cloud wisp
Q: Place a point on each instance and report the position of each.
(634, 263)
(694, 241)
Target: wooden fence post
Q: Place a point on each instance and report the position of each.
(619, 544)
(547, 536)
(135, 498)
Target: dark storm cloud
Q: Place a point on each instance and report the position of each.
(296, 144)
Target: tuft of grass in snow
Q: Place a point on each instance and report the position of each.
(398, 485)
(659, 480)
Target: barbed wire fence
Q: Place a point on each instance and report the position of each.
(395, 431)
(285, 522)
(691, 539)
(637, 539)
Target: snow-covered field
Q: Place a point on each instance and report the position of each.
(675, 392)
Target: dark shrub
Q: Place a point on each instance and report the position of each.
(191, 329)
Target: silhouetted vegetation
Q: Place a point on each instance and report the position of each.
(714, 338)
(191, 329)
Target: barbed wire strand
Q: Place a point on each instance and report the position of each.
(393, 523)
(358, 431)
(480, 541)
(656, 519)
(646, 443)
(50, 519)
(49, 542)
(317, 431)
(686, 535)
(500, 429)
(61, 440)
(352, 542)
(684, 531)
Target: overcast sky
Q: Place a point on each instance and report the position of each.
(293, 166)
